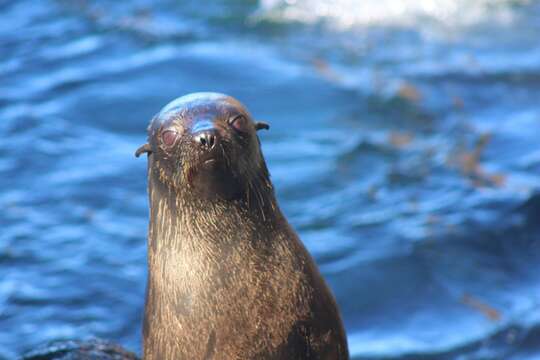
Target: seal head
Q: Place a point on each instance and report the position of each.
(206, 143)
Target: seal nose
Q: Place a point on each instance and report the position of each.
(205, 133)
(206, 139)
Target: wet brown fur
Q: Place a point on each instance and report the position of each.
(228, 277)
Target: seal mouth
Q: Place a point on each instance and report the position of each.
(210, 162)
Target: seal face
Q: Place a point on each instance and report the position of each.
(228, 278)
(194, 138)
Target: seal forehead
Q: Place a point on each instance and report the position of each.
(193, 101)
(195, 104)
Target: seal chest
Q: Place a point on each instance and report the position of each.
(228, 278)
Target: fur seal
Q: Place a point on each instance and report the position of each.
(228, 277)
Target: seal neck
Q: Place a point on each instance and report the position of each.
(179, 219)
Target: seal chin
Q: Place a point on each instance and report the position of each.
(210, 181)
(210, 177)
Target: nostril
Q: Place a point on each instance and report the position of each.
(206, 140)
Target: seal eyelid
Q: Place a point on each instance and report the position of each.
(238, 122)
(169, 137)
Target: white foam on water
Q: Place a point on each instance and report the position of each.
(347, 14)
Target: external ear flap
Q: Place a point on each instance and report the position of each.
(261, 125)
(146, 148)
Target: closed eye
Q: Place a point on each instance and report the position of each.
(239, 123)
(169, 137)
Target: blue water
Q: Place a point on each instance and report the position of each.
(404, 148)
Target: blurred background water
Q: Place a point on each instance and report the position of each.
(404, 149)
